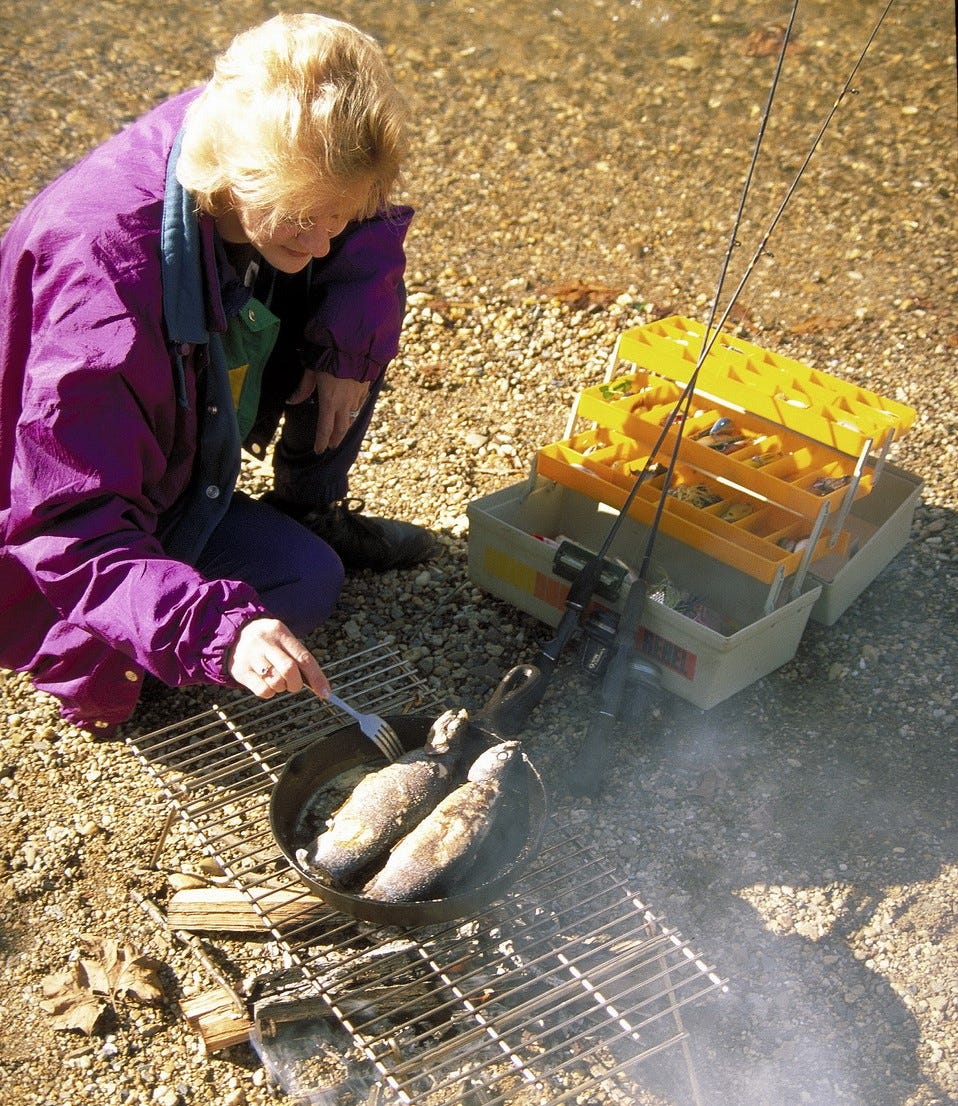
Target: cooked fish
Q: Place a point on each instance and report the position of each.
(388, 803)
(440, 851)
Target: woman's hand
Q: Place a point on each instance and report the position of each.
(269, 658)
(338, 403)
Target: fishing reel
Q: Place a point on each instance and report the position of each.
(571, 559)
(597, 647)
(599, 628)
(597, 644)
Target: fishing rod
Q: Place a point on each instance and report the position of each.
(587, 578)
(588, 769)
(685, 399)
(712, 330)
(584, 584)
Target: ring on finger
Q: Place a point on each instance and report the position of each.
(354, 414)
(266, 670)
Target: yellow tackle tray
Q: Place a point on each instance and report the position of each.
(747, 532)
(780, 451)
(780, 464)
(814, 403)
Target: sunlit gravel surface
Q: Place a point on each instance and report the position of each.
(577, 170)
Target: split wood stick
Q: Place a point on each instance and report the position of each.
(226, 910)
(194, 945)
(220, 1015)
(212, 1013)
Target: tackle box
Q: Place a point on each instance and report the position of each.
(741, 631)
(782, 504)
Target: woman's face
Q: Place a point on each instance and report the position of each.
(292, 244)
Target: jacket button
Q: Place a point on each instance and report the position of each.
(251, 315)
(212, 492)
(131, 675)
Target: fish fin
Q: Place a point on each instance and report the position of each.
(447, 728)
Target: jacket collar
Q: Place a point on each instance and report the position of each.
(192, 304)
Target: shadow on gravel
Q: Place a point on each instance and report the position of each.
(795, 834)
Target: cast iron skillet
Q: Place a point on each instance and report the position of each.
(347, 748)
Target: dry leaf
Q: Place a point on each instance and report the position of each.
(766, 42)
(579, 294)
(70, 1001)
(432, 374)
(138, 979)
(104, 972)
(817, 324)
(94, 977)
(55, 983)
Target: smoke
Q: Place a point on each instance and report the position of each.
(309, 1055)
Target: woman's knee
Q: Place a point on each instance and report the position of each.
(296, 574)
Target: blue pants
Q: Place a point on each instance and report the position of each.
(298, 576)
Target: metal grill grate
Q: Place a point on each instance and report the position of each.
(561, 988)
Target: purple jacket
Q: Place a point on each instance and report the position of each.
(96, 446)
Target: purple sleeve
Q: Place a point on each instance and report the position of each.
(98, 457)
(358, 299)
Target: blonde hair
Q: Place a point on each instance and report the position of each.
(299, 110)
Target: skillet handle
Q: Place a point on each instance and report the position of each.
(518, 694)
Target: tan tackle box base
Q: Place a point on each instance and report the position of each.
(879, 526)
(511, 555)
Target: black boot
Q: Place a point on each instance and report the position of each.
(362, 541)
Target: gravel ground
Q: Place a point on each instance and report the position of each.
(577, 171)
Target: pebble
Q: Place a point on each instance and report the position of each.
(820, 875)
